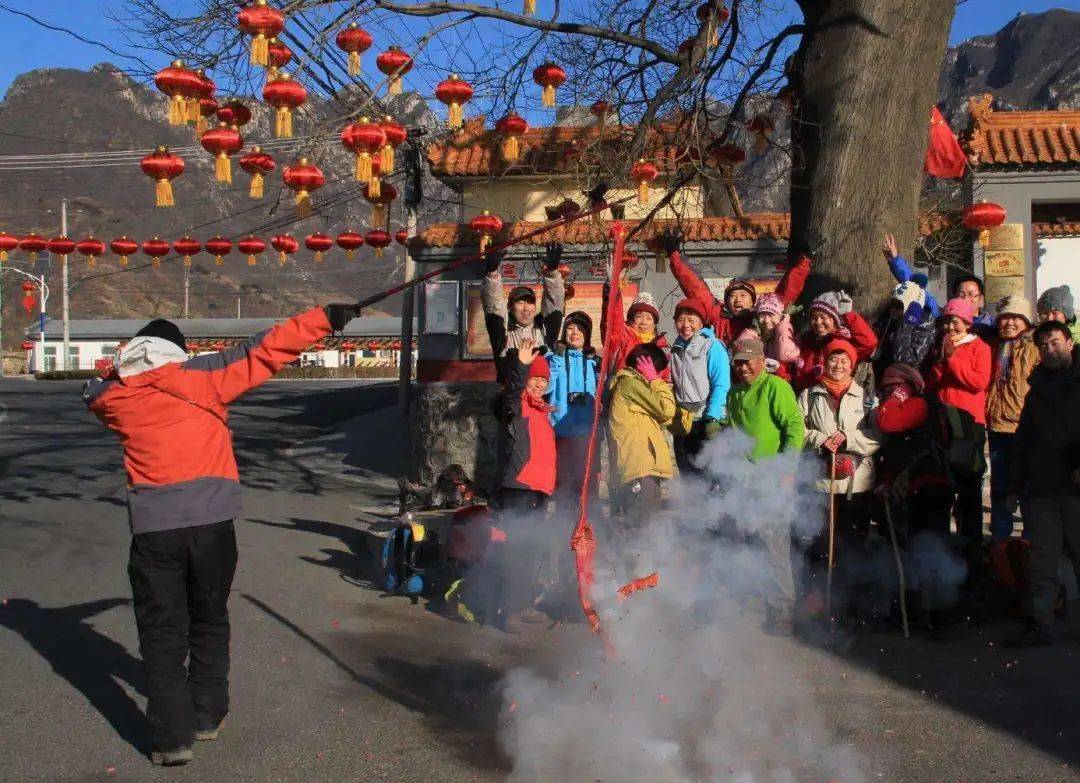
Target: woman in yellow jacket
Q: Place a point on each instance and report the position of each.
(641, 405)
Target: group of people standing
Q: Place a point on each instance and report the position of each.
(901, 411)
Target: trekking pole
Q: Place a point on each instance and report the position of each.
(899, 568)
(832, 536)
(397, 289)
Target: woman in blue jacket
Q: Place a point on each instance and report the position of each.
(575, 367)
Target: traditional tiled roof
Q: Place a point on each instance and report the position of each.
(1021, 138)
(476, 151)
(761, 226)
(1049, 230)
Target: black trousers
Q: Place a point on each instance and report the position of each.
(969, 501)
(180, 580)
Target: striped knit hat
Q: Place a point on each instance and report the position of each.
(829, 303)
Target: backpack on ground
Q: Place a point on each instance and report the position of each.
(409, 555)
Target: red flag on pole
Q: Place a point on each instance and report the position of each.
(944, 157)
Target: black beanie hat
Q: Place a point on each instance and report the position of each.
(653, 351)
(166, 330)
(582, 320)
(517, 293)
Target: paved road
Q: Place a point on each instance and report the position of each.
(332, 681)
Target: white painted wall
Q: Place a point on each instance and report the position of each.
(1057, 263)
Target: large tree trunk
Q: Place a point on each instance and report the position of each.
(865, 78)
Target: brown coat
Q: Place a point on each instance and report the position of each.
(1008, 390)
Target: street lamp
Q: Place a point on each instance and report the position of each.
(43, 298)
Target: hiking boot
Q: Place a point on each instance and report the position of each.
(1031, 635)
(171, 758)
(209, 733)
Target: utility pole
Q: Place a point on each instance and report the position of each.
(414, 194)
(238, 307)
(44, 297)
(65, 310)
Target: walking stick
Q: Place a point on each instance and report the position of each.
(832, 536)
(899, 568)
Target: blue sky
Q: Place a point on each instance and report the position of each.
(30, 46)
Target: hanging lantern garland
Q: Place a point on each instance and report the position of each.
(258, 164)
(378, 239)
(983, 216)
(455, 92)
(285, 245)
(222, 142)
(163, 167)
(643, 172)
(487, 226)
(234, 113)
(350, 242)
(7, 244)
(286, 96)
(61, 246)
(122, 247)
(278, 54)
(549, 76)
(396, 135)
(354, 40)
(364, 139)
(32, 244)
(394, 63)
(219, 247)
(511, 127)
(318, 244)
(303, 179)
(187, 247)
(262, 23)
(157, 249)
(380, 202)
(181, 84)
(251, 246)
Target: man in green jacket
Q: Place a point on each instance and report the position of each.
(764, 407)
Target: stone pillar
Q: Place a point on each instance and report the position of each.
(454, 423)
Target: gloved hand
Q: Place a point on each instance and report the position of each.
(843, 302)
(645, 366)
(669, 241)
(598, 196)
(552, 256)
(339, 314)
(493, 259)
(714, 427)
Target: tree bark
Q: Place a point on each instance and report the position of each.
(865, 77)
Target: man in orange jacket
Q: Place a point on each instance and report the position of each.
(171, 414)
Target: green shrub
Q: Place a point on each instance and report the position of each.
(67, 375)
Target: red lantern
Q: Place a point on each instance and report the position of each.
(643, 172)
(713, 14)
(204, 91)
(378, 239)
(379, 202)
(278, 54)
(982, 217)
(27, 345)
(350, 242)
(304, 178)
(28, 300)
(187, 247)
(262, 23)
(549, 76)
(396, 345)
(234, 113)
(163, 166)
(761, 126)
(285, 245)
(354, 40)
(395, 136)
(222, 142)
(90, 248)
(157, 249)
(286, 96)
(258, 164)
(727, 155)
(509, 271)
(33, 244)
(251, 246)
(208, 107)
(564, 271)
(61, 246)
(7, 244)
(600, 109)
(401, 236)
(181, 84)
(124, 247)
(395, 64)
(373, 345)
(487, 226)
(512, 127)
(364, 139)
(455, 92)
(220, 247)
(319, 243)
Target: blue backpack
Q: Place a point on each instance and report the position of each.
(409, 550)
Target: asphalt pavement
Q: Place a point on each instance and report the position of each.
(331, 680)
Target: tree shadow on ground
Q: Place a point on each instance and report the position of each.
(90, 661)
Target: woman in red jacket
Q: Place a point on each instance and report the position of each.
(831, 316)
(960, 377)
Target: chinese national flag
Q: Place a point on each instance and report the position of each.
(944, 157)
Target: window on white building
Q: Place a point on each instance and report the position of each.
(50, 358)
(73, 357)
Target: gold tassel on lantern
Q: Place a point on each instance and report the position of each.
(511, 149)
(378, 252)
(123, 260)
(643, 192)
(218, 261)
(194, 111)
(256, 190)
(386, 159)
(374, 187)
(223, 168)
(354, 63)
(548, 98)
(201, 125)
(303, 203)
(156, 262)
(530, 7)
(91, 262)
(283, 125)
(251, 260)
(454, 115)
(165, 193)
(485, 242)
(394, 88)
(363, 167)
(187, 261)
(282, 258)
(318, 256)
(378, 214)
(177, 110)
(260, 50)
